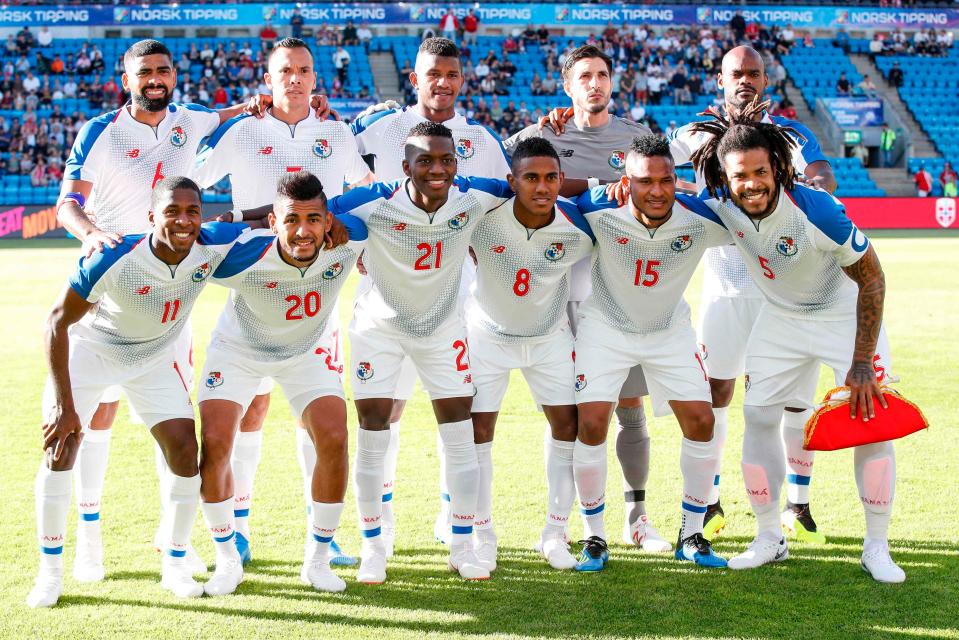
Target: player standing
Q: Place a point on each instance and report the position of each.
(256, 154)
(646, 252)
(419, 238)
(824, 290)
(117, 323)
(277, 324)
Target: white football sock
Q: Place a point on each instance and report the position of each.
(368, 482)
(220, 522)
(561, 490)
(444, 485)
(484, 496)
(875, 466)
(91, 471)
(589, 471)
(632, 449)
(181, 500)
(245, 460)
(326, 519)
(799, 461)
(52, 492)
(720, 431)
(764, 465)
(697, 461)
(462, 478)
(306, 459)
(389, 473)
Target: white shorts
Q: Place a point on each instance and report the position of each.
(231, 375)
(157, 389)
(547, 366)
(441, 360)
(670, 357)
(725, 323)
(785, 353)
(635, 385)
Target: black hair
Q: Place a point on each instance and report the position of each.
(146, 48)
(430, 129)
(443, 47)
(736, 133)
(300, 186)
(534, 148)
(584, 52)
(168, 185)
(651, 146)
(290, 43)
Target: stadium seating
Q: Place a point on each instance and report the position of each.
(853, 179)
(806, 65)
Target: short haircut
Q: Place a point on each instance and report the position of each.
(430, 129)
(168, 185)
(146, 48)
(443, 47)
(290, 43)
(534, 148)
(300, 186)
(585, 52)
(651, 146)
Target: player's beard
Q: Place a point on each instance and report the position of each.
(152, 104)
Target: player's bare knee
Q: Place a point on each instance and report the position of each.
(484, 425)
(68, 456)
(374, 413)
(697, 425)
(453, 409)
(722, 391)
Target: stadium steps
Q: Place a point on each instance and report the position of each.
(896, 182)
(384, 75)
(922, 147)
(804, 115)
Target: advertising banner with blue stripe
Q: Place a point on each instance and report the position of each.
(489, 14)
(855, 112)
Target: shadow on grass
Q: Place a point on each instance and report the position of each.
(818, 592)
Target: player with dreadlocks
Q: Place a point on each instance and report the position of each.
(824, 291)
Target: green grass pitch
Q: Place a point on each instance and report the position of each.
(820, 592)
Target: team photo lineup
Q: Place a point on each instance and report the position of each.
(563, 252)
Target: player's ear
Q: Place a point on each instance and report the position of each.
(511, 181)
(406, 167)
(271, 219)
(562, 178)
(413, 78)
(150, 215)
(125, 81)
(268, 80)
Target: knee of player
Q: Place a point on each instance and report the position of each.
(698, 425)
(592, 429)
(332, 437)
(216, 444)
(722, 391)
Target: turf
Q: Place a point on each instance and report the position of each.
(819, 593)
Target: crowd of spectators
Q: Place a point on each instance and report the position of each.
(923, 42)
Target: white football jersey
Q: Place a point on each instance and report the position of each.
(414, 258)
(639, 274)
(142, 302)
(479, 151)
(124, 159)
(256, 153)
(725, 273)
(277, 311)
(795, 254)
(523, 275)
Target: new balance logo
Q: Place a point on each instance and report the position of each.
(265, 151)
(498, 249)
(400, 226)
(566, 153)
(133, 153)
(740, 234)
(622, 240)
(270, 285)
(142, 291)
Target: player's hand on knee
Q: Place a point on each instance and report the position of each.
(59, 429)
(96, 240)
(863, 387)
(556, 120)
(618, 191)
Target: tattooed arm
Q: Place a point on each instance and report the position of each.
(861, 379)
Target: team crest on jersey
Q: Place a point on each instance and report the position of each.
(178, 137)
(786, 246)
(681, 243)
(459, 220)
(617, 160)
(555, 251)
(580, 382)
(201, 272)
(214, 379)
(465, 148)
(332, 271)
(364, 371)
(322, 148)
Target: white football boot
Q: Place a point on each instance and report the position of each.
(88, 563)
(765, 548)
(372, 565)
(463, 560)
(557, 553)
(46, 588)
(321, 577)
(485, 548)
(227, 576)
(877, 562)
(178, 579)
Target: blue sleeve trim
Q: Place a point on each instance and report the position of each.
(91, 269)
(811, 152)
(573, 214)
(221, 232)
(492, 186)
(360, 125)
(594, 200)
(84, 143)
(356, 198)
(825, 212)
(197, 107)
(698, 207)
(243, 255)
(217, 135)
(494, 136)
(356, 227)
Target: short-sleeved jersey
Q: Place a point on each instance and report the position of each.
(256, 153)
(796, 254)
(143, 303)
(522, 275)
(479, 152)
(725, 273)
(277, 311)
(124, 159)
(639, 274)
(414, 258)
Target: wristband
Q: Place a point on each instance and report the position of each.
(237, 215)
(592, 182)
(73, 196)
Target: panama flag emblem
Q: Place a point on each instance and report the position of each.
(214, 379)
(332, 271)
(464, 148)
(364, 371)
(178, 137)
(786, 246)
(681, 243)
(459, 220)
(322, 148)
(617, 160)
(201, 272)
(580, 382)
(555, 251)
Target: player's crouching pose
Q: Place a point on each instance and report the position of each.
(117, 323)
(824, 289)
(516, 319)
(646, 252)
(276, 324)
(420, 232)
